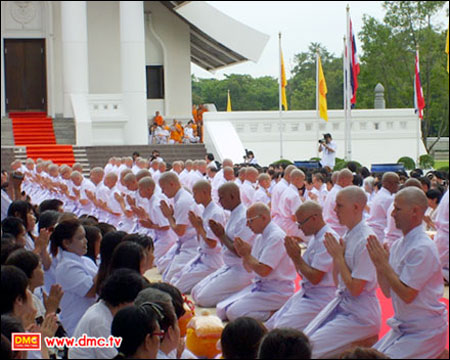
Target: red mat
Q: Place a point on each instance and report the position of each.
(33, 130)
(387, 311)
(27, 114)
(59, 154)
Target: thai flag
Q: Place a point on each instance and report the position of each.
(419, 101)
(354, 67)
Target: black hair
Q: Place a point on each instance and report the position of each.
(107, 246)
(285, 344)
(135, 153)
(21, 208)
(25, 260)
(64, 231)
(121, 287)
(128, 255)
(210, 156)
(352, 166)
(175, 294)
(363, 353)
(10, 325)
(357, 180)
(133, 324)
(6, 352)
(364, 172)
(93, 234)
(13, 225)
(48, 219)
(144, 240)
(14, 285)
(86, 219)
(434, 194)
(50, 204)
(8, 247)
(240, 338)
(425, 181)
(105, 228)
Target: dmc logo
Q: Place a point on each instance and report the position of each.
(26, 342)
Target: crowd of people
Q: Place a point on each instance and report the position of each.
(161, 132)
(75, 252)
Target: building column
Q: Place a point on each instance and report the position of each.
(75, 51)
(132, 51)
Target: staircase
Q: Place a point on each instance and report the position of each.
(32, 129)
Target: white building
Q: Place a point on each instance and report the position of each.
(112, 64)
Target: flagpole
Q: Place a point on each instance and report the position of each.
(344, 74)
(317, 100)
(279, 96)
(348, 155)
(418, 109)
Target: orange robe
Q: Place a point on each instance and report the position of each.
(158, 120)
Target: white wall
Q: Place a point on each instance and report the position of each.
(259, 131)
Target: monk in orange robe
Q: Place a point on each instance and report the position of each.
(158, 119)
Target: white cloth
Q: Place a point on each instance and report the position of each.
(6, 201)
(265, 294)
(261, 195)
(247, 193)
(277, 191)
(441, 237)
(232, 277)
(208, 260)
(304, 306)
(96, 322)
(391, 232)
(329, 215)
(329, 157)
(419, 329)
(348, 318)
(76, 275)
(186, 246)
(289, 202)
(378, 212)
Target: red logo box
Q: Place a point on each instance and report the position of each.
(26, 342)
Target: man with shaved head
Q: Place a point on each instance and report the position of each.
(278, 190)
(220, 179)
(315, 267)
(381, 202)
(354, 316)
(262, 193)
(210, 257)
(289, 202)
(267, 259)
(186, 246)
(248, 187)
(344, 179)
(411, 275)
(232, 276)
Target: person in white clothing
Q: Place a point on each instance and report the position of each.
(75, 273)
(315, 266)
(278, 191)
(411, 275)
(274, 272)
(319, 191)
(354, 316)
(232, 277)
(329, 148)
(441, 237)
(178, 216)
(210, 257)
(344, 179)
(119, 291)
(262, 194)
(248, 187)
(383, 199)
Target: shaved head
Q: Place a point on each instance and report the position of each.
(229, 187)
(413, 182)
(413, 197)
(146, 183)
(259, 209)
(309, 208)
(354, 195)
(202, 185)
(169, 177)
(296, 174)
(229, 196)
(287, 172)
(227, 162)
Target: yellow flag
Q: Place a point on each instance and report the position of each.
(229, 102)
(283, 84)
(446, 49)
(323, 109)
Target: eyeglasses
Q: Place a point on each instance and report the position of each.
(160, 334)
(300, 224)
(250, 220)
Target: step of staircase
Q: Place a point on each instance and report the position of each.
(64, 131)
(7, 132)
(81, 157)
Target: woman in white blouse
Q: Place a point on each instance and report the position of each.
(76, 273)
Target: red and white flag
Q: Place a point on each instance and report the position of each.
(419, 101)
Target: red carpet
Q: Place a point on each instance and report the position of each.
(59, 154)
(387, 311)
(32, 129)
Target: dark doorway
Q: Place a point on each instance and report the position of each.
(25, 75)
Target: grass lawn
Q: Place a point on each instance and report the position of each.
(439, 164)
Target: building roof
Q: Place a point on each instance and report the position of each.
(220, 42)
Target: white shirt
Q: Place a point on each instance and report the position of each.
(237, 227)
(329, 157)
(378, 212)
(216, 213)
(76, 275)
(6, 201)
(415, 259)
(261, 196)
(329, 215)
(441, 237)
(96, 322)
(391, 233)
(183, 203)
(269, 250)
(156, 216)
(277, 191)
(247, 193)
(289, 203)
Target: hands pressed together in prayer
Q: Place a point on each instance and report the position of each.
(335, 249)
(379, 254)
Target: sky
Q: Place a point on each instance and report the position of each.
(300, 22)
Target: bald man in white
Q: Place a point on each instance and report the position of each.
(267, 259)
(441, 237)
(232, 277)
(354, 316)
(411, 275)
(248, 188)
(210, 256)
(344, 179)
(378, 216)
(186, 246)
(315, 267)
(278, 190)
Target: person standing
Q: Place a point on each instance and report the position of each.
(329, 148)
